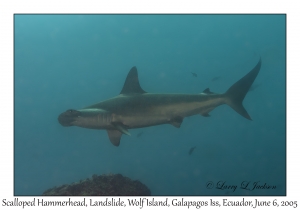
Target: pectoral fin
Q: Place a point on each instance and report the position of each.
(114, 136)
(120, 127)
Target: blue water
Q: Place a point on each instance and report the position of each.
(72, 61)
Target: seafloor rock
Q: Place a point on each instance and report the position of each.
(108, 185)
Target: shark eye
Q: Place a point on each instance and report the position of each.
(72, 112)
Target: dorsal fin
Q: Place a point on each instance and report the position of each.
(132, 84)
(207, 91)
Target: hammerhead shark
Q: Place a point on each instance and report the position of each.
(136, 108)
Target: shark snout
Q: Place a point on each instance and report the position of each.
(64, 121)
(67, 118)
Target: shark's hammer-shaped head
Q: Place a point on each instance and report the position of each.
(86, 118)
(68, 117)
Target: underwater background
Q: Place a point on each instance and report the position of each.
(72, 61)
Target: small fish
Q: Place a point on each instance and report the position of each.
(194, 74)
(192, 150)
(216, 78)
(139, 134)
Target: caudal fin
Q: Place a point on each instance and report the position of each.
(237, 92)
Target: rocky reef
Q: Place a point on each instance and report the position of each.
(106, 185)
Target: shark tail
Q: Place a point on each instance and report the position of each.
(237, 92)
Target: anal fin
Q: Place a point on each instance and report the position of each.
(176, 122)
(205, 115)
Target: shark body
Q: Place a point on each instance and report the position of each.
(135, 108)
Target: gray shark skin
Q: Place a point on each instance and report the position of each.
(135, 108)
